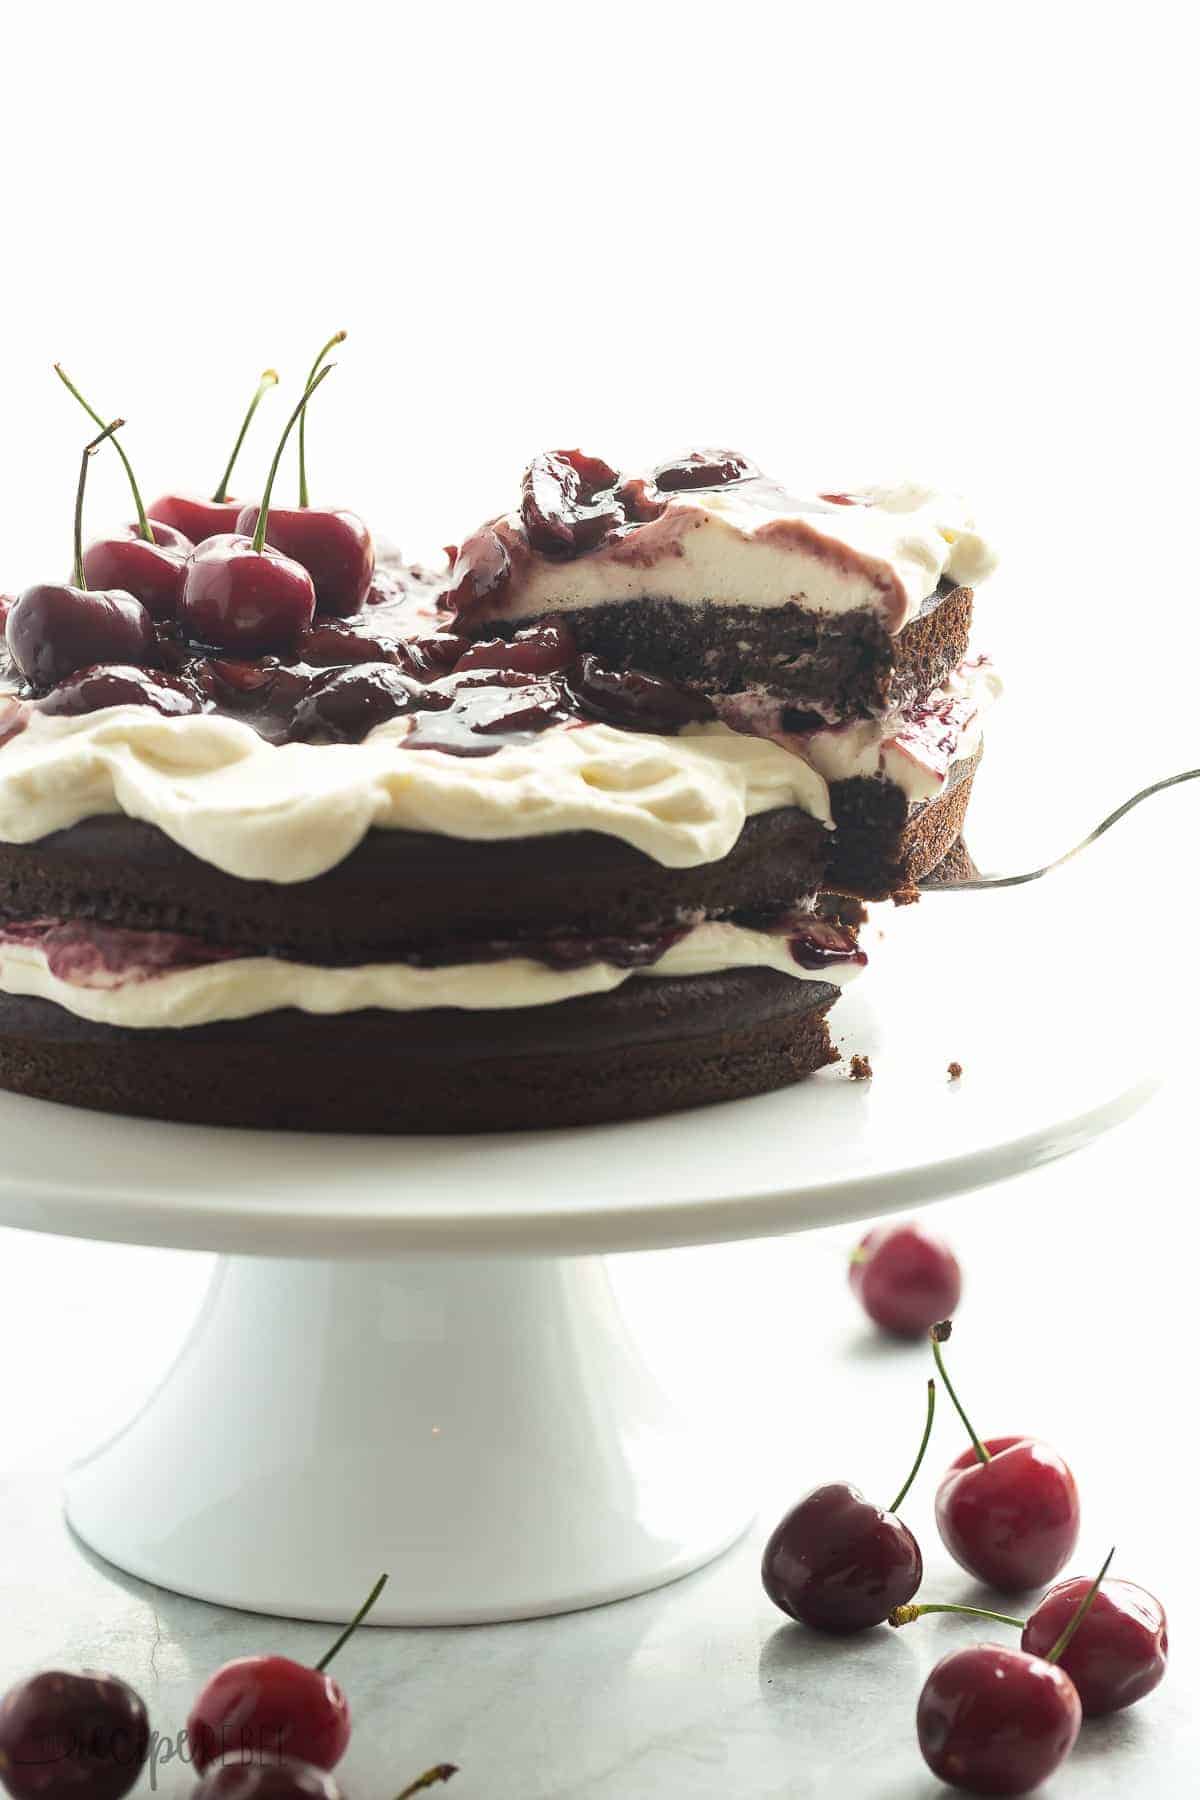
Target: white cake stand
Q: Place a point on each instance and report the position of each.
(411, 1358)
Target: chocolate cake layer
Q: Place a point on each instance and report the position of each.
(843, 664)
(403, 890)
(882, 845)
(653, 1045)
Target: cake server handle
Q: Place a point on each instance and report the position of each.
(1003, 881)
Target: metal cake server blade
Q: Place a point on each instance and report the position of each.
(1004, 881)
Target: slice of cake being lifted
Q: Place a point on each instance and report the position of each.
(836, 623)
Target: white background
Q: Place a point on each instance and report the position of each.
(951, 239)
(954, 240)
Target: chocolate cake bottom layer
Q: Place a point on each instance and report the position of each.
(844, 664)
(651, 1046)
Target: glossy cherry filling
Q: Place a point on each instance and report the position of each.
(85, 954)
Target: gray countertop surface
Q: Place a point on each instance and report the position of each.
(1077, 1325)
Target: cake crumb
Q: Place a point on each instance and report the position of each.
(954, 1071)
(907, 896)
(860, 1068)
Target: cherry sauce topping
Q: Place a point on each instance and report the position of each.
(703, 469)
(344, 706)
(542, 650)
(567, 502)
(90, 690)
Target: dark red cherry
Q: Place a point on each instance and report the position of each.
(1013, 1520)
(836, 1560)
(263, 1707)
(61, 1734)
(239, 597)
(992, 1720)
(151, 571)
(240, 594)
(199, 518)
(345, 707)
(285, 1780)
(1117, 1656)
(54, 629)
(89, 690)
(542, 650)
(144, 559)
(196, 518)
(839, 1563)
(636, 702)
(703, 469)
(568, 503)
(906, 1278)
(332, 544)
(1007, 1509)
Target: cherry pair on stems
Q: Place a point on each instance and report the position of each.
(993, 1720)
(1007, 1510)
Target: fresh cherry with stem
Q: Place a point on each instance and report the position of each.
(241, 593)
(991, 1720)
(146, 558)
(332, 543)
(905, 1278)
(1116, 1657)
(1007, 1509)
(198, 518)
(264, 1707)
(835, 1562)
(55, 628)
(61, 1733)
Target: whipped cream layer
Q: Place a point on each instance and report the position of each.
(242, 987)
(883, 549)
(286, 813)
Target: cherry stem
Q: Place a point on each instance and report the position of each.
(440, 1772)
(260, 533)
(77, 575)
(1081, 1612)
(353, 1626)
(930, 1402)
(339, 337)
(937, 1337)
(144, 530)
(907, 1615)
(268, 380)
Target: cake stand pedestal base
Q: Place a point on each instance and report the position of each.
(487, 1431)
